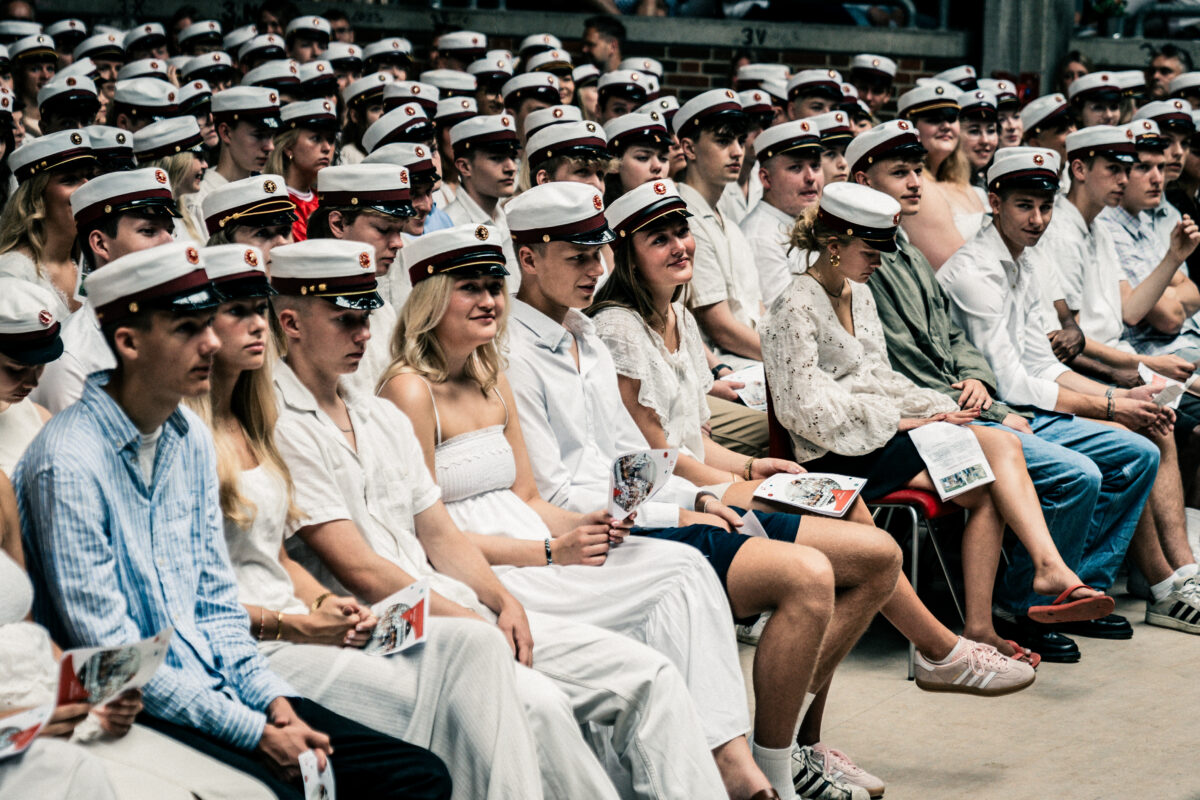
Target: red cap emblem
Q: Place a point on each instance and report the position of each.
(1039, 160)
(597, 202)
(902, 125)
(420, 151)
(404, 176)
(160, 176)
(71, 81)
(896, 218)
(192, 255)
(409, 110)
(251, 259)
(364, 260)
(660, 188)
(415, 89)
(45, 318)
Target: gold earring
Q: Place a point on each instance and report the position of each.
(835, 260)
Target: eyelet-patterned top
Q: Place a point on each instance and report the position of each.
(674, 384)
(835, 391)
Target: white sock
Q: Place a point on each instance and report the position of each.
(804, 706)
(776, 764)
(1187, 571)
(953, 652)
(1163, 588)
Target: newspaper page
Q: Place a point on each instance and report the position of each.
(953, 457)
(96, 675)
(635, 477)
(1170, 391)
(818, 492)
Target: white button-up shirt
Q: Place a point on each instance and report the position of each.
(465, 211)
(380, 485)
(723, 267)
(996, 300)
(84, 352)
(573, 419)
(1086, 260)
(769, 232)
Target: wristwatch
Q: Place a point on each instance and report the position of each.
(717, 369)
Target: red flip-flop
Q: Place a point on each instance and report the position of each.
(1024, 654)
(1082, 610)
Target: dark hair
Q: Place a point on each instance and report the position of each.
(335, 14)
(318, 220)
(1008, 191)
(625, 287)
(182, 13)
(282, 10)
(607, 26)
(1170, 51)
(141, 321)
(1073, 57)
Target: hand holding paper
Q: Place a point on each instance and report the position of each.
(635, 477)
(403, 621)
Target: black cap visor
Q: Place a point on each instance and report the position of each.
(201, 298)
(907, 150)
(356, 301)
(391, 209)
(593, 238)
(42, 351)
(241, 288)
(151, 207)
(885, 244)
(1042, 184)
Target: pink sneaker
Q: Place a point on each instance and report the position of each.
(839, 767)
(975, 668)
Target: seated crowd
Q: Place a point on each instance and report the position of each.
(288, 325)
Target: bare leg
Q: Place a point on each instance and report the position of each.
(1016, 502)
(1166, 504)
(797, 584)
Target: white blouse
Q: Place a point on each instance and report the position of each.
(14, 264)
(28, 671)
(833, 390)
(673, 384)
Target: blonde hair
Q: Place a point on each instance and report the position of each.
(179, 168)
(415, 346)
(23, 221)
(253, 406)
(277, 162)
(811, 234)
(955, 168)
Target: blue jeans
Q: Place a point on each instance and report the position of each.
(1093, 481)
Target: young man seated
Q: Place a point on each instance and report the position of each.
(115, 214)
(928, 347)
(485, 154)
(123, 528)
(789, 157)
(371, 520)
(812, 92)
(247, 118)
(1174, 120)
(996, 300)
(725, 291)
(423, 178)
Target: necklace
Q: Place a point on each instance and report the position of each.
(822, 285)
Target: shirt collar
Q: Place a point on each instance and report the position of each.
(1159, 211)
(779, 215)
(990, 238)
(292, 392)
(114, 422)
(1132, 223)
(548, 333)
(1070, 215)
(695, 201)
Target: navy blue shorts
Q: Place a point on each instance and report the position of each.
(720, 546)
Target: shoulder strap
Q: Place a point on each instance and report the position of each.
(496, 389)
(437, 420)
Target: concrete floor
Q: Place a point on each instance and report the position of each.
(1124, 723)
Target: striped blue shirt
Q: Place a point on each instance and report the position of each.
(114, 561)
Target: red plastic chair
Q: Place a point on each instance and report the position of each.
(920, 507)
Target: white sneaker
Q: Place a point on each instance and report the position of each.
(812, 782)
(839, 767)
(749, 634)
(1180, 609)
(976, 668)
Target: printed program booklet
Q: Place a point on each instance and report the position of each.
(96, 675)
(1170, 390)
(318, 784)
(403, 620)
(952, 455)
(818, 492)
(754, 392)
(19, 730)
(635, 477)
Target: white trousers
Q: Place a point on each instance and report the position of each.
(455, 695)
(665, 595)
(146, 765)
(610, 680)
(52, 769)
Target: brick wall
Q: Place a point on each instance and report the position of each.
(691, 69)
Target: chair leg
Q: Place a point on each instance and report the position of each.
(916, 529)
(937, 550)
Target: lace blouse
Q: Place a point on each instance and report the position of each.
(673, 384)
(835, 391)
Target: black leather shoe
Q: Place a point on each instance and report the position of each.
(1114, 626)
(1051, 645)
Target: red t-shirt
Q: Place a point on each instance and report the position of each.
(305, 205)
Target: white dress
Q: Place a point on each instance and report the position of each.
(19, 423)
(833, 390)
(428, 696)
(660, 593)
(18, 265)
(673, 384)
